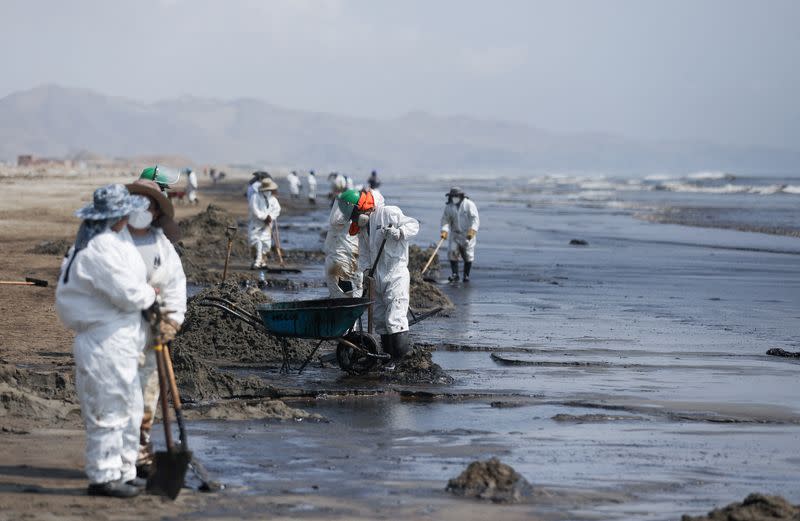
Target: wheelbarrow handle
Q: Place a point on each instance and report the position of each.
(234, 306)
(351, 345)
(234, 311)
(417, 318)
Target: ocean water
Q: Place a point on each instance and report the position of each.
(639, 378)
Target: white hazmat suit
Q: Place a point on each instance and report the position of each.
(191, 187)
(294, 185)
(456, 221)
(103, 302)
(392, 279)
(364, 262)
(165, 272)
(311, 181)
(262, 204)
(252, 188)
(338, 184)
(341, 256)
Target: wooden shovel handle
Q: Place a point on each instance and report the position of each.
(278, 241)
(173, 386)
(162, 385)
(427, 264)
(227, 259)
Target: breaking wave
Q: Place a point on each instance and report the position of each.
(715, 183)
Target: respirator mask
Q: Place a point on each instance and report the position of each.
(140, 219)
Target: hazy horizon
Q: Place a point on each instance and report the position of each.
(714, 71)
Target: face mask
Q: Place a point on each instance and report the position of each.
(363, 220)
(140, 219)
(457, 200)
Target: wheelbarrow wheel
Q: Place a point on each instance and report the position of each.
(353, 361)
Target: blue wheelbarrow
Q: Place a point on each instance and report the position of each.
(357, 351)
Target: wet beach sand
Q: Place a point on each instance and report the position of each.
(624, 379)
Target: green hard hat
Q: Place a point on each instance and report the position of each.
(160, 175)
(347, 201)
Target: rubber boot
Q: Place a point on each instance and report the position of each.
(114, 489)
(401, 344)
(387, 344)
(454, 267)
(467, 269)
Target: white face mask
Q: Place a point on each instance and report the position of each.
(140, 219)
(363, 220)
(457, 200)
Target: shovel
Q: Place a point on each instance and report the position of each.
(279, 251)
(428, 264)
(278, 241)
(197, 468)
(369, 279)
(230, 232)
(28, 282)
(170, 466)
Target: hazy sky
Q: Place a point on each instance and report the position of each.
(724, 71)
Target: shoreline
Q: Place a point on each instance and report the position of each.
(372, 428)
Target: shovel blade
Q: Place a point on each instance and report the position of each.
(282, 270)
(170, 471)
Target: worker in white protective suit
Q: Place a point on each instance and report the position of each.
(363, 232)
(102, 291)
(373, 183)
(344, 266)
(392, 279)
(460, 223)
(255, 182)
(165, 273)
(294, 185)
(341, 257)
(311, 185)
(264, 209)
(338, 184)
(191, 186)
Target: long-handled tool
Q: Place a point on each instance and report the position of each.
(278, 241)
(170, 465)
(369, 281)
(230, 232)
(207, 484)
(435, 251)
(28, 282)
(283, 268)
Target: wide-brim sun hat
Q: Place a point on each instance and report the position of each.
(111, 201)
(151, 189)
(454, 191)
(267, 185)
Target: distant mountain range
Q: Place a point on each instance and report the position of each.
(57, 121)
